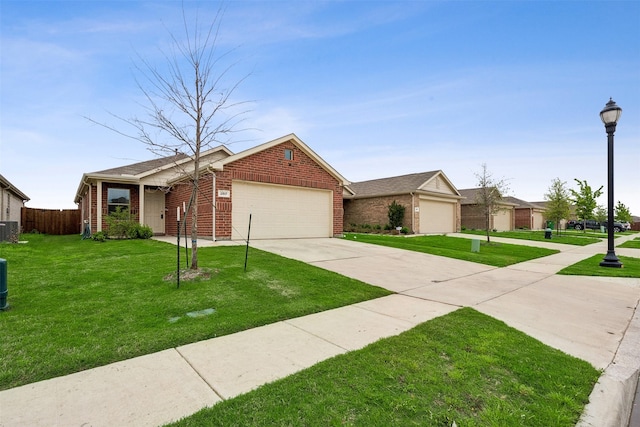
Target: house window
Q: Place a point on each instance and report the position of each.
(288, 154)
(118, 197)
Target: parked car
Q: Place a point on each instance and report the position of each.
(627, 225)
(592, 224)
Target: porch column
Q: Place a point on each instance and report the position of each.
(141, 204)
(99, 205)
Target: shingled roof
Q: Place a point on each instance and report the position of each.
(522, 204)
(142, 167)
(469, 195)
(394, 185)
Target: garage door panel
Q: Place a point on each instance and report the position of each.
(437, 217)
(279, 211)
(502, 220)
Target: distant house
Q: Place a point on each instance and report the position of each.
(286, 188)
(431, 201)
(543, 205)
(527, 215)
(473, 217)
(12, 200)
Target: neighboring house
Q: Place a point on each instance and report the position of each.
(473, 217)
(527, 215)
(431, 201)
(12, 200)
(563, 222)
(286, 188)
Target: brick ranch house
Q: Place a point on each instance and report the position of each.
(287, 188)
(527, 215)
(473, 218)
(431, 201)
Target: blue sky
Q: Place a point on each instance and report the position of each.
(376, 88)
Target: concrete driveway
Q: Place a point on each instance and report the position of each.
(592, 318)
(583, 316)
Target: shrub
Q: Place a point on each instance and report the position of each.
(396, 214)
(122, 226)
(99, 236)
(143, 232)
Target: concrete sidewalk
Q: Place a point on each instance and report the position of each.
(591, 318)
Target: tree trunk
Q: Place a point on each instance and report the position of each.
(194, 213)
(194, 229)
(487, 220)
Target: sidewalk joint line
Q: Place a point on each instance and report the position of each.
(216, 392)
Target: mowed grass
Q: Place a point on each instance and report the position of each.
(634, 244)
(464, 367)
(567, 237)
(78, 304)
(591, 267)
(496, 254)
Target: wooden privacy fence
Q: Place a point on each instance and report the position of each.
(51, 221)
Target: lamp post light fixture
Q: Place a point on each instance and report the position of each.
(610, 115)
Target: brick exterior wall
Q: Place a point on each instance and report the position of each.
(473, 219)
(89, 207)
(523, 218)
(267, 166)
(375, 211)
(134, 194)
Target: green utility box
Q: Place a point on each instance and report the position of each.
(475, 245)
(3, 284)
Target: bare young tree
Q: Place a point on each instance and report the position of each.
(188, 103)
(490, 193)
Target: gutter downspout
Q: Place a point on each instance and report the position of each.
(88, 208)
(413, 212)
(213, 213)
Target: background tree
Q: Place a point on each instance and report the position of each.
(622, 213)
(558, 202)
(600, 214)
(189, 105)
(585, 200)
(489, 195)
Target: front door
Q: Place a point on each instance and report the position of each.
(154, 211)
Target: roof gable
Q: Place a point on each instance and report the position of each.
(6, 185)
(219, 165)
(150, 167)
(431, 182)
(151, 172)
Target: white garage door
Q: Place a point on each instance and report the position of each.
(437, 217)
(280, 211)
(502, 220)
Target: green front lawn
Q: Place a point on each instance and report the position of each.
(635, 244)
(591, 267)
(568, 237)
(464, 367)
(78, 304)
(496, 254)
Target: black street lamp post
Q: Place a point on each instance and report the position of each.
(610, 115)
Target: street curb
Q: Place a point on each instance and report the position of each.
(611, 400)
